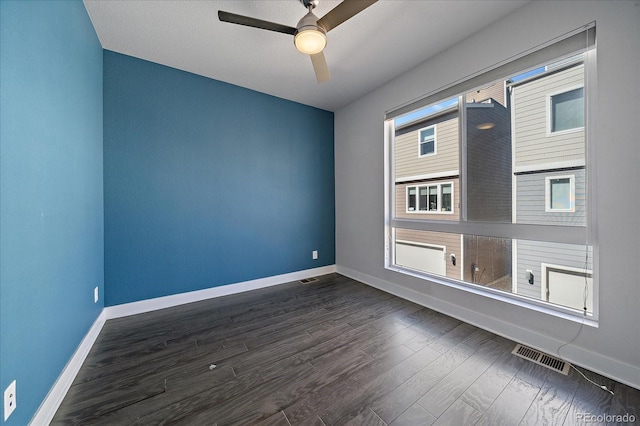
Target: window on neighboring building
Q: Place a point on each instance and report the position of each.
(560, 193)
(517, 197)
(427, 141)
(566, 110)
(437, 197)
(411, 198)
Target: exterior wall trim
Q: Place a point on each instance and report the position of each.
(556, 165)
(449, 173)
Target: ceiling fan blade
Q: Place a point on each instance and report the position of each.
(255, 23)
(342, 12)
(320, 67)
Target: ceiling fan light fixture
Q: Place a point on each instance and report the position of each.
(310, 41)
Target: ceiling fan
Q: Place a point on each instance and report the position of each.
(310, 35)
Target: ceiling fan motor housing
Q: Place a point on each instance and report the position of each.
(309, 22)
(309, 3)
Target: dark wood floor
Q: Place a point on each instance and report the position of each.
(332, 352)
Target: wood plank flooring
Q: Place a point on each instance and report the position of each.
(332, 352)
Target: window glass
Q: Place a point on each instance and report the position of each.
(411, 198)
(560, 194)
(504, 157)
(567, 110)
(428, 167)
(446, 197)
(423, 198)
(433, 198)
(427, 141)
(489, 153)
(555, 273)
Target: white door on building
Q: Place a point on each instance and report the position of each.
(421, 257)
(567, 287)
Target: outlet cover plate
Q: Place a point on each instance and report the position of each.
(95, 295)
(9, 400)
(314, 254)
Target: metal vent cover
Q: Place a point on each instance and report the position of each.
(308, 280)
(540, 358)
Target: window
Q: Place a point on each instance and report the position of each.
(560, 193)
(427, 141)
(566, 110)
(411, 198)
(521, 197)
(431, 198)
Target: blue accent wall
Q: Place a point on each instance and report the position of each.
(208, 184)
(51, 196)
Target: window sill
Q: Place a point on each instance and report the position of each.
(426, 212)
(513, 299)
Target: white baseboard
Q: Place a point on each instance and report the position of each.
(149, 305)
(54, 398)
(612, 368)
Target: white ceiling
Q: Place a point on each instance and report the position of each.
(383, 41)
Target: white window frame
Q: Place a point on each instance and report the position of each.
(435, 144)
(549, 112)
(427, 185)
(572, 194)
(580, 41)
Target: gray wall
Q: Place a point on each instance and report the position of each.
(614, 347)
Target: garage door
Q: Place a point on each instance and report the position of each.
(566, 288)
(421, 257)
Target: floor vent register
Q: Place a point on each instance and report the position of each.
(540, 358)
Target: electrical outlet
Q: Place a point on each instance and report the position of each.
(95, 295)
(314, 254)
(9, 400)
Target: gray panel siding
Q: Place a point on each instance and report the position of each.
(530, 200)
(531, 254)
